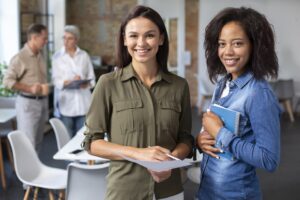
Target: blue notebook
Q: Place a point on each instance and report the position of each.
(231, 119)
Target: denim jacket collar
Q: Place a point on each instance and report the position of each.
(240, 82)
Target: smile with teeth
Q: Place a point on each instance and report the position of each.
(141, 50)
(231, 61)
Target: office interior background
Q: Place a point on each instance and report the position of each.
(98, 21)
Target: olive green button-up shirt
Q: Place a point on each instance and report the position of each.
(134, 115)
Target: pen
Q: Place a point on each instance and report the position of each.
(173, 157)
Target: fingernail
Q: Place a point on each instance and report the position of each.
(218, 157)
(221, 151)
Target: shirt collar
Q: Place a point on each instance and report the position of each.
(29, 51)
(63, 50)
(128, 72)
(243, 79)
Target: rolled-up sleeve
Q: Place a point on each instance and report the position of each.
(98, 116)
(14, 71)
(185, 123)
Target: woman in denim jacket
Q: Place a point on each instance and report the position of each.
(239, 46)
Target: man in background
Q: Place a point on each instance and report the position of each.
(27, 74)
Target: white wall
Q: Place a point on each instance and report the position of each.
(285, 17)
(9, 29)
(58, 9)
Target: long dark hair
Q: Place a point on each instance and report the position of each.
(263, 61)
(123, 58)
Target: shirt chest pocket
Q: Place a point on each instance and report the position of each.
(169, 115)
(129, 115)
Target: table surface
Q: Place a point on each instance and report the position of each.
(75, 144)
(7, 114)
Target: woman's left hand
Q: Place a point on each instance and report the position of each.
(212, 123)
(160, 176)
(84, 85)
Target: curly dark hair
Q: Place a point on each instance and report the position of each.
(123, 57)
(263, 60)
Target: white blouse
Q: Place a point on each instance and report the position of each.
(72, 102)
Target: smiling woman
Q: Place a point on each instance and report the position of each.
(145, 111)
(239, 47)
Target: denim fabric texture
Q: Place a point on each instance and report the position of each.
(257, 144)
(73, 124)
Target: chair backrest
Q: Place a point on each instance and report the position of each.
(26, 161)
(86, 181)
(61, 133)
(284, 89)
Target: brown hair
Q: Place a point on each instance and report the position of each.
(35, 29)
(123, 58)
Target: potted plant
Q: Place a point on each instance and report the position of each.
(7, 96)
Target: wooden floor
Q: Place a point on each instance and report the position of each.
(284, 184)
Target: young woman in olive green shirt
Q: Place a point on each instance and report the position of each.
(145, 111)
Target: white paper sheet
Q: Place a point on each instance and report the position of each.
(160, 166)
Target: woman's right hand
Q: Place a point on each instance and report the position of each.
(206, 143)
(154, 153)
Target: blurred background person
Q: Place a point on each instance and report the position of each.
(71, 63)
(27, 74)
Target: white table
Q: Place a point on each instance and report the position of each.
(75, 143)
(7, 114)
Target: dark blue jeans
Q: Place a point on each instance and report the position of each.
(73, 124)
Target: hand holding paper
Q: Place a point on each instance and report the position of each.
(159, 166)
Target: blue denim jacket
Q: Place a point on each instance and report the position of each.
(256, 145)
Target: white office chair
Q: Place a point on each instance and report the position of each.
(284, 90)
(86, 181)
(61, 133)
(31, 171)
(194, 173)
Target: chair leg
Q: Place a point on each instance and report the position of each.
(27, 194)
(51, 196)
(36, 191)
(2, 172)
(61, 195)
(289, 109)
(10, 156)
(91, 162)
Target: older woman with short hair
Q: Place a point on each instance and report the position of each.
(71, 63)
